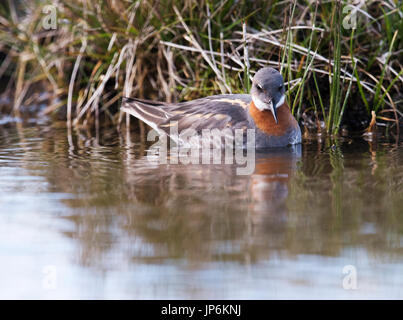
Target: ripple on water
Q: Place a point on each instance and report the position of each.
(115, 225)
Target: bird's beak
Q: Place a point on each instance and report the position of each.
(273, 110)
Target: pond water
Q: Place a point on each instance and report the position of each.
(95, 219)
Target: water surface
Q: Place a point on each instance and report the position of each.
(95, 219)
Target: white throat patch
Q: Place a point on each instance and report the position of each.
(260, 104)
(265, 106)
(281, 102)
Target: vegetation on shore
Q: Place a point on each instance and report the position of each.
(341, 60)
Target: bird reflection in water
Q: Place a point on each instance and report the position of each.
(184, 209)
(270, 182)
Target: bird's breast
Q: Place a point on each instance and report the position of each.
(264, 120)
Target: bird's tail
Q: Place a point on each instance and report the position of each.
(150, 112)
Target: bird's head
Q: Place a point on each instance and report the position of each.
(268, 92)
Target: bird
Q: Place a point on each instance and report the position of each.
(265, 110)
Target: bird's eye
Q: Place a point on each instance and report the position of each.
(280, 87)
(259, 86)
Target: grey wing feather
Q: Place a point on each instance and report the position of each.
(214, 112)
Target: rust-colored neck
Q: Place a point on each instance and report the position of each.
(264, 120)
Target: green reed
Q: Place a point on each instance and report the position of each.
(335, 86)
